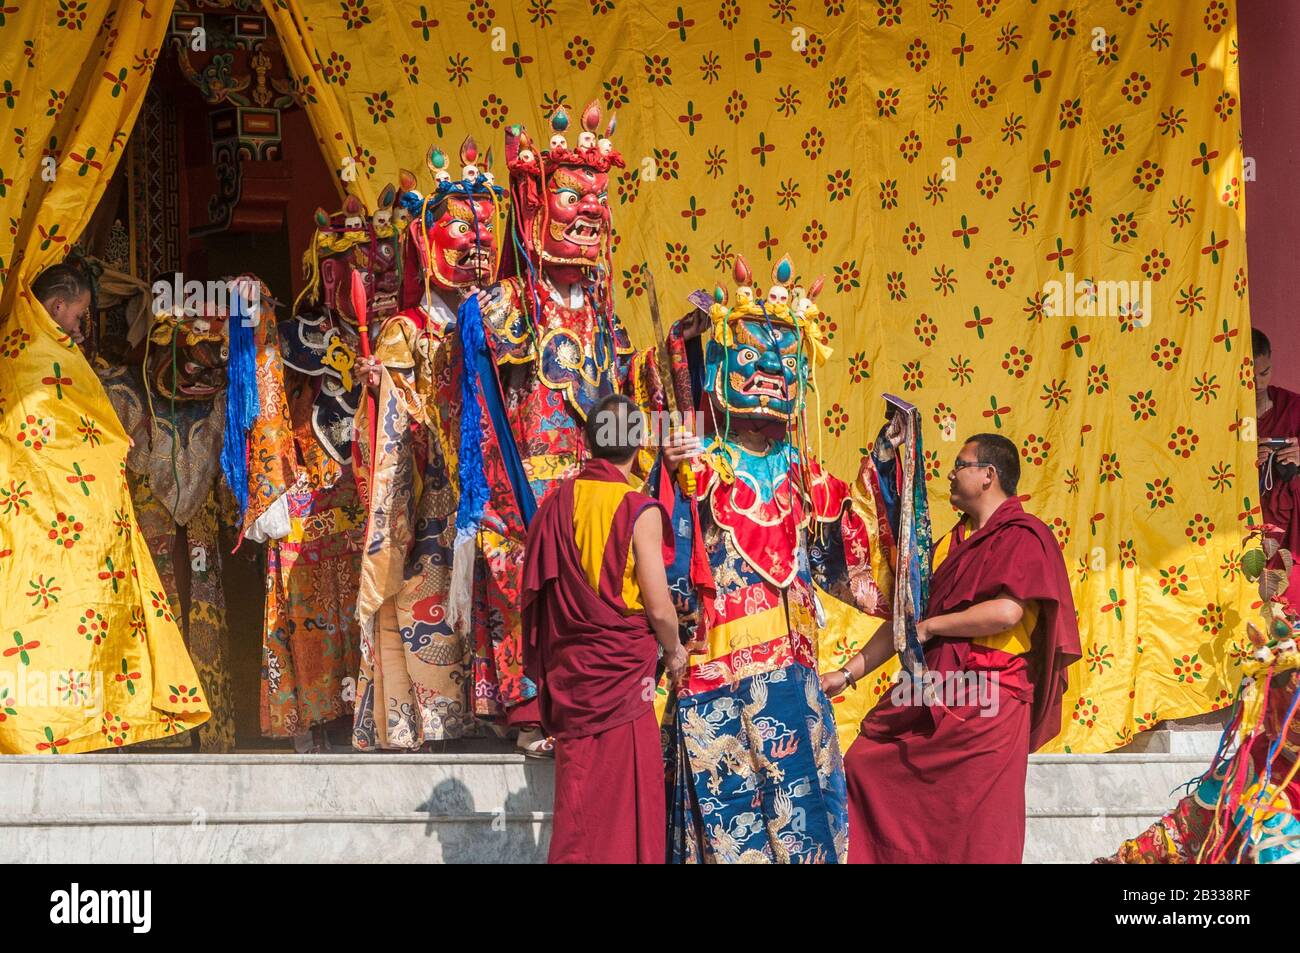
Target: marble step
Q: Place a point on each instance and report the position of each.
(1079, 840)
(1109, 782)
(1180, 738)
(1080, 807)
(191, 808)
(180, 784)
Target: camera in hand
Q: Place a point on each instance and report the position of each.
(1281, 471)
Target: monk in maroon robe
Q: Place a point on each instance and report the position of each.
(596, 610)
(1277, 417)
(937, 774)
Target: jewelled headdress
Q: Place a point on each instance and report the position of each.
(475, 185)
(787, 304)
(347, 229)
(529, 167)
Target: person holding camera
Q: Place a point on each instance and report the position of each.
(1277, 413)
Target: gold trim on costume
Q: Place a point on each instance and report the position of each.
(747, 632)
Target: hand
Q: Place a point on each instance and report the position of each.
(896, 429)
(481, 295)
(889, 441)
(923, 633)
(681, 447)
(834, 683)
(250, 292)
(694, 324)
(368, 370)
(676, 663)
(866, 468)
(1289, 455)
(1261, 457)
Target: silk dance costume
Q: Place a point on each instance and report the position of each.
(547, 348)
(176, 415)
(762, 537)
(303, 494)
(1246, 807)
(415, 685)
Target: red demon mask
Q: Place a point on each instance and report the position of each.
(561, 193)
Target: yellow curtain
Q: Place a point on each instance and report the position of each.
(75, 74)
(1013, 145)
(92, 656)
(940, 163)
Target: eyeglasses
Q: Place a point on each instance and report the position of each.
(960, 464)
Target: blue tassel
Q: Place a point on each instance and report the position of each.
(242, 403)
(411, 202)
(473, 481)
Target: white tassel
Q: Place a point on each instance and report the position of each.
(367, 627)
(461, 594)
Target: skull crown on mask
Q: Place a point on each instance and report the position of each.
(562, 192)
(760, 360)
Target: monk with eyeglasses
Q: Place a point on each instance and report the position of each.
(937, 774)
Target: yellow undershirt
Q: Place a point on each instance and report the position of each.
(1015, 640)
(594, 504)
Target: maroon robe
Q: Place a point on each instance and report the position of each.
(1281, 503)
(947, 785)
(594, 667)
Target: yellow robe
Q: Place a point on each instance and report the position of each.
(90, 654)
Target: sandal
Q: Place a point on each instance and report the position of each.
(533, 744)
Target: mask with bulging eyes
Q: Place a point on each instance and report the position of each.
(760, 373)
(376, 261)
(188, 357)
(463, 243)
(578, 218)
(375, 258)
(560, 196)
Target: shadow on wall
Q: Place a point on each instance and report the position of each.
(491, 833)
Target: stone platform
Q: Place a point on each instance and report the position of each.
(454, 808)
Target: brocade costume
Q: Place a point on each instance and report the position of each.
(755, 772)
(301, 456)
(541, 362)
(415, 685)
(1244, 808)
(174, 470)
